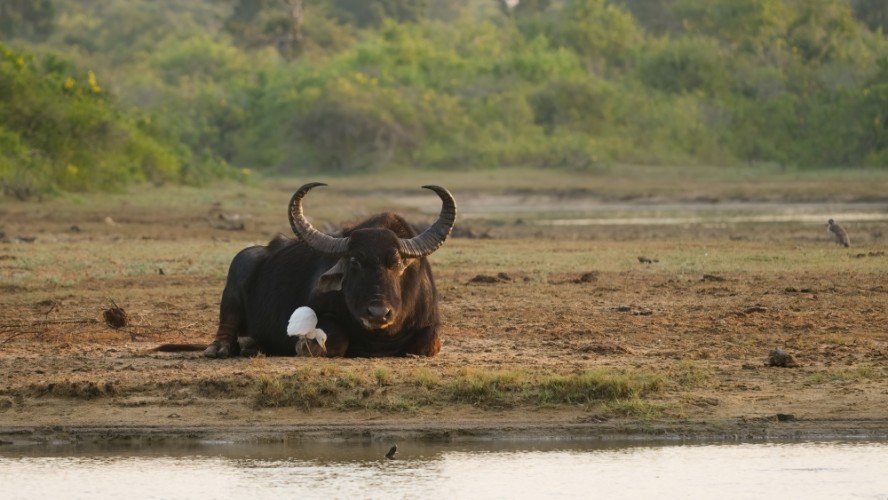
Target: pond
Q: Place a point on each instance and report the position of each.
(475, 470)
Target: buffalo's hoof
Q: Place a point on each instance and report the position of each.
(249, 348)
(217, 351)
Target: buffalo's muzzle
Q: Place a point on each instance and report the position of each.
(378, 316)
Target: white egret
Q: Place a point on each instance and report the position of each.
(303, 324)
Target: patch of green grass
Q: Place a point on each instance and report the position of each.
(594, 385)
(270, 391)
(513, 387)
(634, 407)
(486, 388)
(302, 389)
(850, 374)
(312, 387)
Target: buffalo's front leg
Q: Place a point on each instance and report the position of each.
(426, 342)
(232, 308)
(231, 319)
(225, 343)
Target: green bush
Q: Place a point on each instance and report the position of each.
(689, 64)
(184, 91)
(62, 130)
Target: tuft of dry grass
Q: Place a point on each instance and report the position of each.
(80, 389)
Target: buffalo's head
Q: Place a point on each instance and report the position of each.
(374, 263)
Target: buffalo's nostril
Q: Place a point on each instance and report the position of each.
(379, 312)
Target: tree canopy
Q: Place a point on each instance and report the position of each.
(95, 94)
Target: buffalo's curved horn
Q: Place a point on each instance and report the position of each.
(317, 240)
(432, 238)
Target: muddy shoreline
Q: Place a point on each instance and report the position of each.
(451, 432)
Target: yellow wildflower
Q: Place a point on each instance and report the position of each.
(69, 83)
(72, 170)
(93, 84)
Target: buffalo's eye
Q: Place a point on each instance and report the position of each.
(354, 264)
(399, 266)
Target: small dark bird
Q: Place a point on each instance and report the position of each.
(391, 453)
(838, 233)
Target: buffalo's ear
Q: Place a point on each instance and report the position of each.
(331, 281)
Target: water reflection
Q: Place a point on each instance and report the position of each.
(479, 470)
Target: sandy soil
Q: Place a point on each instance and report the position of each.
(66, 376)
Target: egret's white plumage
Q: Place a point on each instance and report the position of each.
(302, 321)
(303, 324)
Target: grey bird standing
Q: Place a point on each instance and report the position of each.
(838, 233)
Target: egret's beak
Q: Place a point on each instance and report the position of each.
(321, 337)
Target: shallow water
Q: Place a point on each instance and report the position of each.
(482, 470)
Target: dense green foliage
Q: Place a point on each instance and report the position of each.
(59, 129)
(348, 85)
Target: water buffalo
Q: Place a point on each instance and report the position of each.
(371, 288)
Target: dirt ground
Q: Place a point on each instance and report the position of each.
(702, 315)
